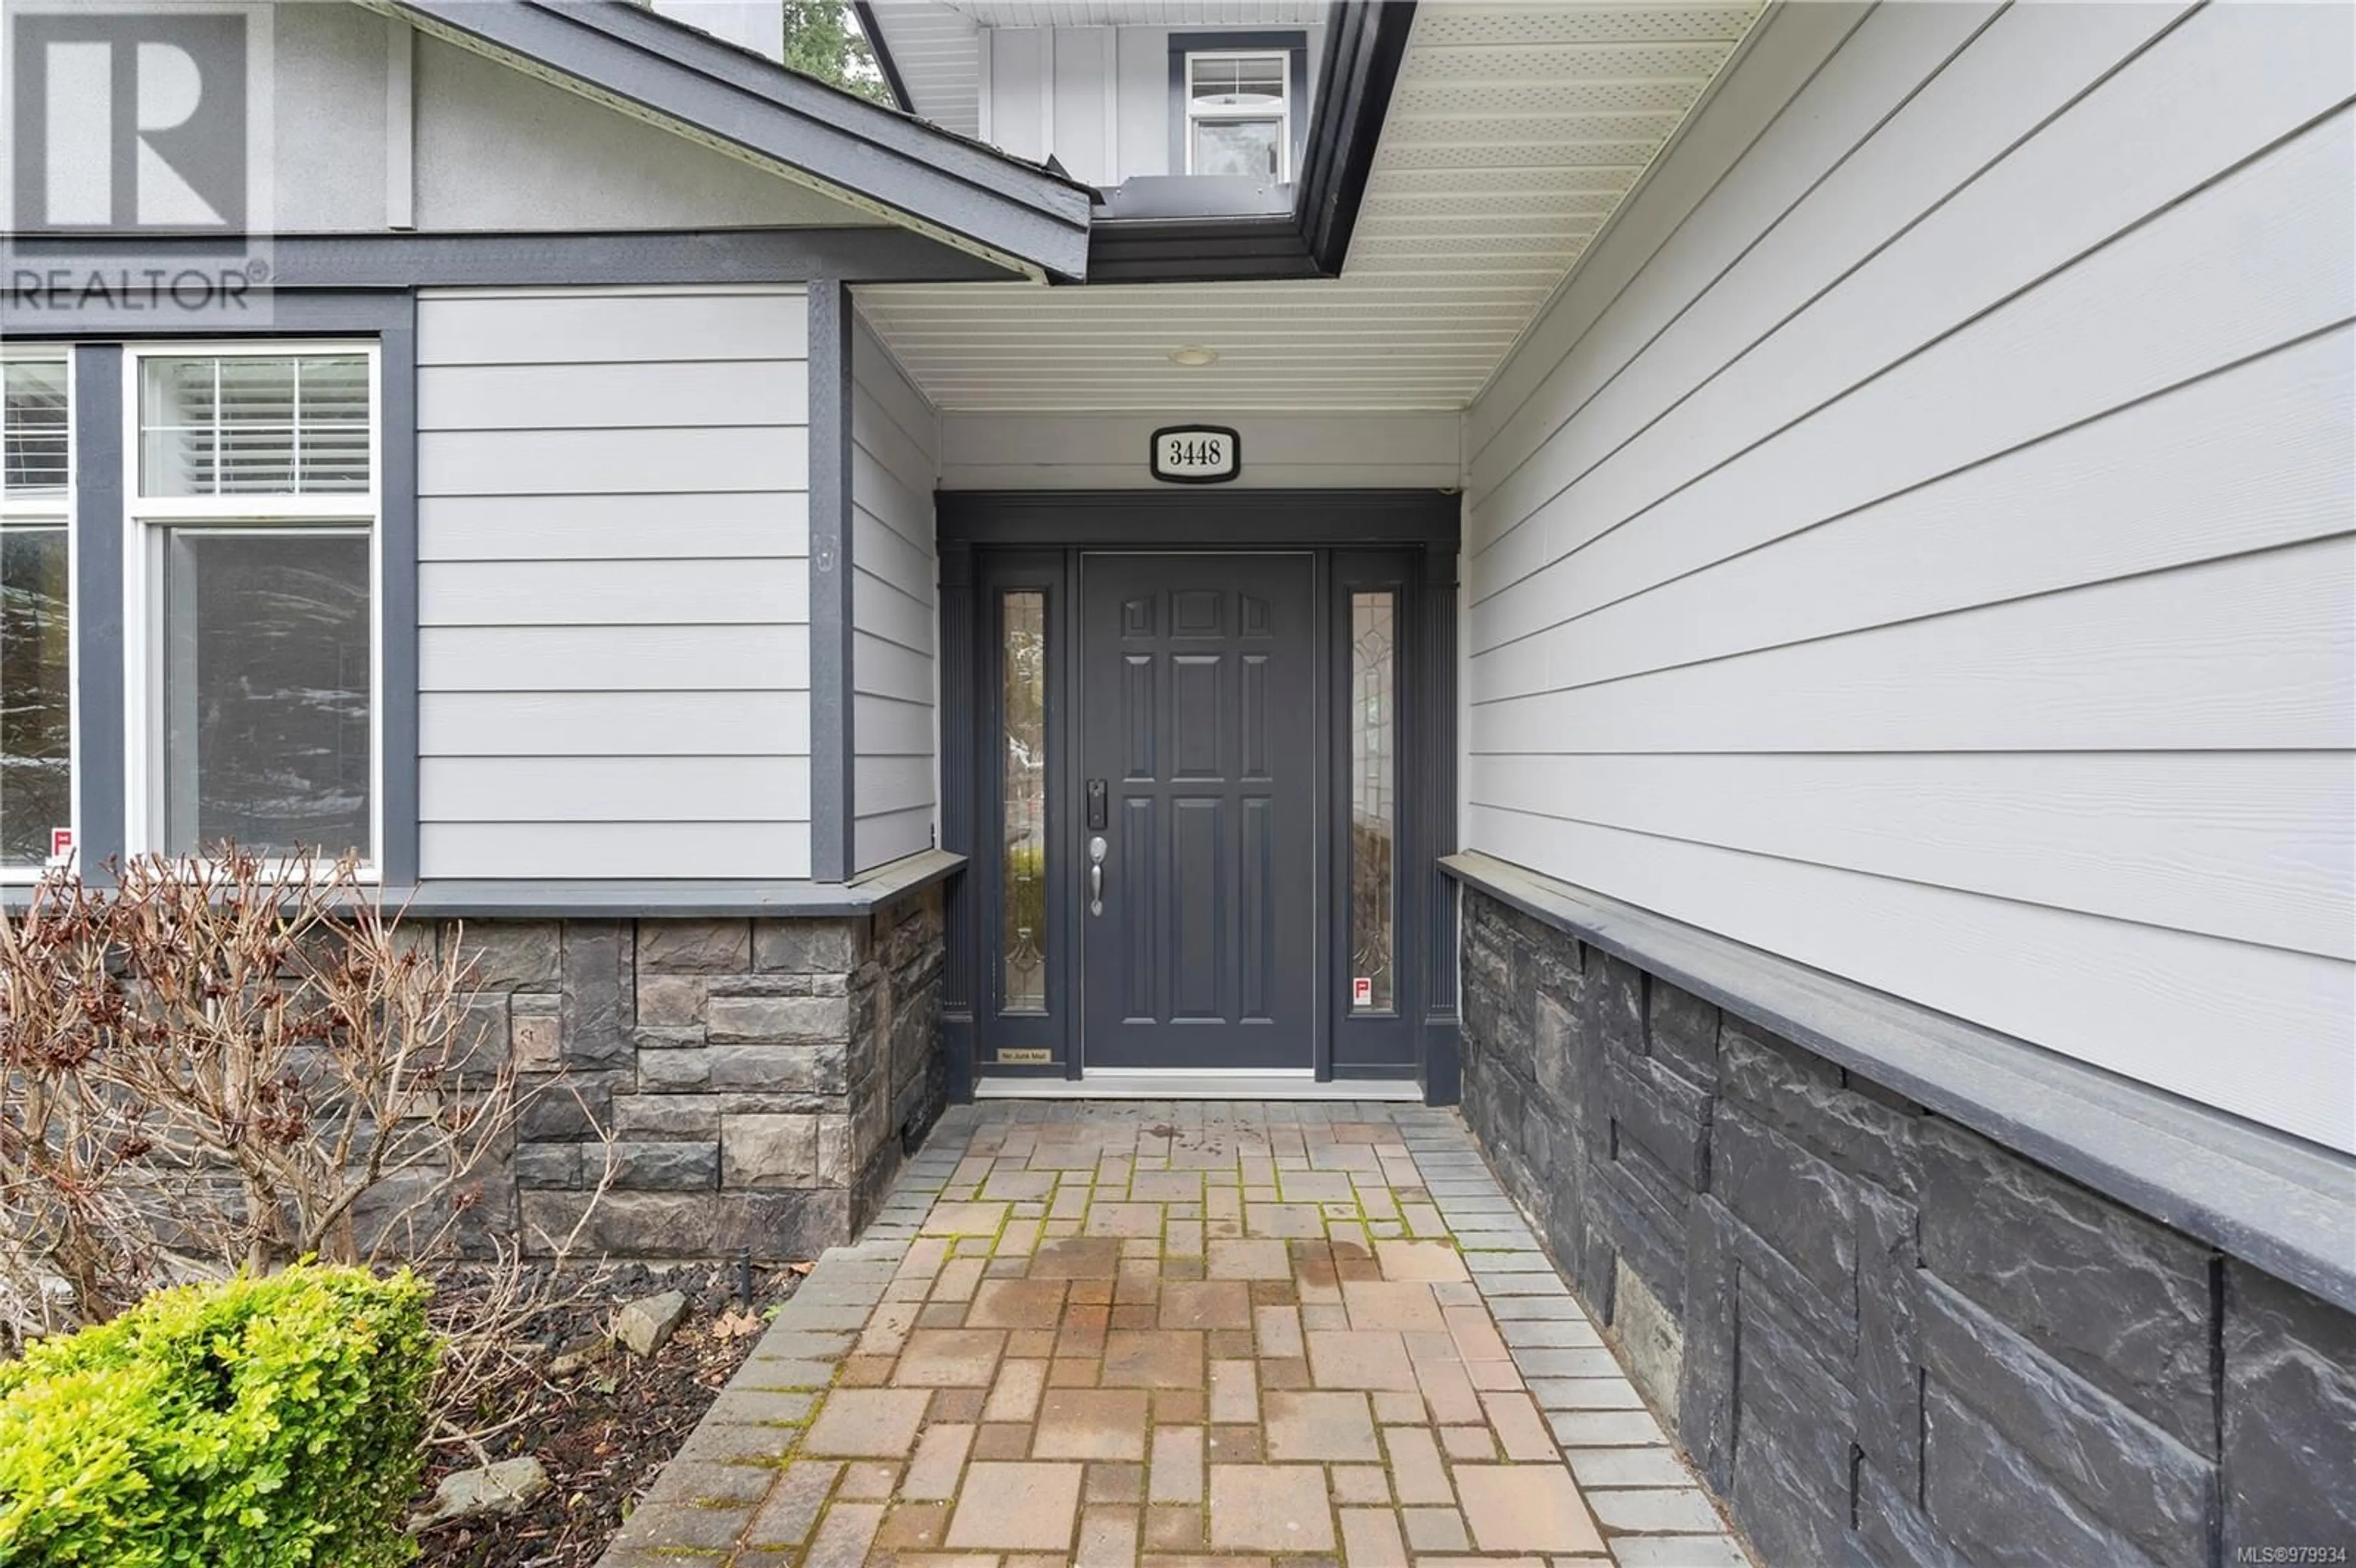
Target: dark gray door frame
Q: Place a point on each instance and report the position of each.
(1403, 539)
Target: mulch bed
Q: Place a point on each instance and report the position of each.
(605, 1430)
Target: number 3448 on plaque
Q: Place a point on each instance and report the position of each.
(1197, 454)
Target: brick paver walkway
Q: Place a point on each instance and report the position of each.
(1175, 1335)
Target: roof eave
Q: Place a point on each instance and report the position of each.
(960, 193)
(1364, 46)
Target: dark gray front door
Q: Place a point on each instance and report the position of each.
(1198, 715)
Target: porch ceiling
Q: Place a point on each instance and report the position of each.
(1141, 13)
(1514, 132)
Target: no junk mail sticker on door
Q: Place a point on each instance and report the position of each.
(1197, 454)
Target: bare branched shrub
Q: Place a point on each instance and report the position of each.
(229, 1062)
(63, 1140)
(238, 1061)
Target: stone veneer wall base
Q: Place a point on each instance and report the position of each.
(754, 1081)
(1883, 1337)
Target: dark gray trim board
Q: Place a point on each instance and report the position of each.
(1365, 47)
(2279, 1202)
(1434, 760)
(959, 696)
(834, 747)
(866, 253)
(305, 313)
(1189, 520)
(397, 694)
(628, 57)
(97, 606)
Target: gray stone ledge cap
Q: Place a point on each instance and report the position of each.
(2277, 1202)
(626, 898)
(652, 898)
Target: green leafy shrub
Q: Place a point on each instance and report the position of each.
(270, 1423)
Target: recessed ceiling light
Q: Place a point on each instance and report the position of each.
(1194, 354)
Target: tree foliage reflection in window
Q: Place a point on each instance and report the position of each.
(1373, 816)
(1023, 961)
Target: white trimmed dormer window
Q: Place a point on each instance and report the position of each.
(1240, 114)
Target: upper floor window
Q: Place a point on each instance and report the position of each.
(1240, 114)
(36, 631)
(254, 504)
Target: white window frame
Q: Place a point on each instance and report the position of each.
(1195, 116)
(61, 513)
(148, 521)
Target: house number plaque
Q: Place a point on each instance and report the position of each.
(1197, 454)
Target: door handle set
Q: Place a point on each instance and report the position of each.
(1099, 819)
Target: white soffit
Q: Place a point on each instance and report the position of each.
(1142, 13)
(937, 53)
(1515, 130)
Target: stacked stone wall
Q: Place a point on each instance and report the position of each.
(752, 1081)
(1883, 1337)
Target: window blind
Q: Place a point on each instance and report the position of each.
(33, 429)
(255, 426)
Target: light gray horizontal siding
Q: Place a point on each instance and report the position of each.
(654, 395)
(723, 589)
(615, 527)
(895, 446)
(771, 657)
(614, 584)
(1918, 539)
(669, 328)
(620, 789)
(641, 850)
(605, 461)
(1078, 451)
(722, 721)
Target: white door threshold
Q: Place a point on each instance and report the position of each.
(1197, 1085)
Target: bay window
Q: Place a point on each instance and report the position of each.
(254, 506)
(36, 629)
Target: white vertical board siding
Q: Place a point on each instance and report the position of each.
(1143, 110)
(1919, 539)
(1018, 59)
(614, 583)
(1109, 95)
(895, 445)
(1086, 81)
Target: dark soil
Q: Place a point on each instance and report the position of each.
(602, 1431)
